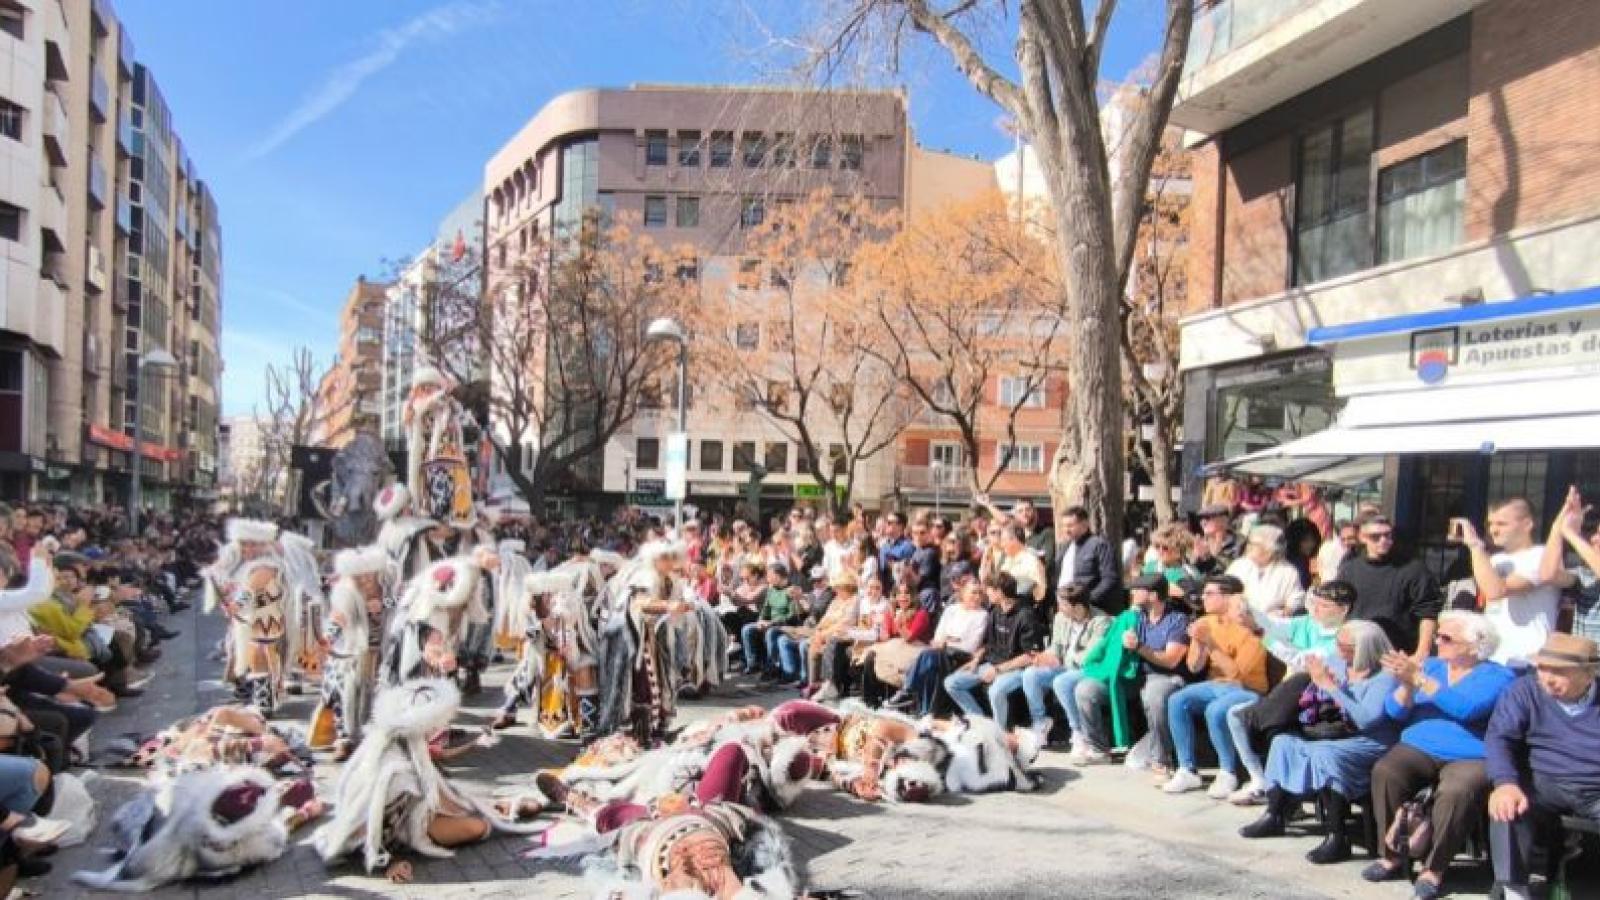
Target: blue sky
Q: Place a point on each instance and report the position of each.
(337, 133)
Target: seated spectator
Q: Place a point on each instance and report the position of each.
(743, 601)
(14, 604)
(62, 709)
(1271, 585)
(1075, 630)
(1218, 544)
(839, 618)
(1294, 642)
(780, 606)
(960, 633)
(907, 628)
(1443, 707)
(1301, 540)
(1157, 637)
(1343, 733)
(1543, 755)
(1009, 643)
(1226, 652)
(843, 656)
(1568, 531)
(1345, 540)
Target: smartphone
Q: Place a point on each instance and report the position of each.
(102, 594)
(1457, 532)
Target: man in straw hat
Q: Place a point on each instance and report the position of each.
(1543, 754)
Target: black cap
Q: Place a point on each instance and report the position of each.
(1228, 583)
(1153, 581)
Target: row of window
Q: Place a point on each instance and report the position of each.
(1342, 225)
(709, 456)
(752, 210)
(756, 149)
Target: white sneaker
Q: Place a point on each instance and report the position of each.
(1089, 756)
(42, 830)
(828, 694)
(1041, 729)
(1254, 793)
(1182, 782)
(1075, 755)
(1224, 786)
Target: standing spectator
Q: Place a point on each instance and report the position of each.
(925, 562)
(1218, 545)
(26, 533)
(1521, 605)
(1443, 706)
(895, 548)
(1088, 560)
(1393, 590)
(1009, 645)
(1345, 539)
(1568, 531)
(1272, 587)
(1234, 662)
(1543, 755)
(1302, 541)
(1025, 569)
(834, 546)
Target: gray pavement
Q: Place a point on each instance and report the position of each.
(1098, 833)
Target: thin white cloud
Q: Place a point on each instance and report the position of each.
(281, 298)
(342, 83)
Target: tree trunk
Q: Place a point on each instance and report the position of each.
(1088, 467)
(1161, 467)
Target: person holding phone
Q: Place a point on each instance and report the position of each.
(1521, 603)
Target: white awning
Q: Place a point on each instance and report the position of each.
(1548, 415)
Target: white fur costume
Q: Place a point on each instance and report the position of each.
(390, 790)
(171, 833)
(354, 633)
(274, 602)
(434, 613)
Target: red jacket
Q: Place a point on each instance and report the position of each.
(918, 629)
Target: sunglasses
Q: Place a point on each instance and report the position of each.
(1376, 536)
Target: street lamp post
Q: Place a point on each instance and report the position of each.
(668, 329)
(938, 487)
(160, 360)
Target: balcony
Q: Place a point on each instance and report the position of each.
(102, 17)
(125, 54)
(1247, 56)
(55, 62)
(57, 129)
(99, 96)
(951, 481)
(124, 217)
(97, 182)
(94, 270)
(124, 134)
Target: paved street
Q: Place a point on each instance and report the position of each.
(1103, 834)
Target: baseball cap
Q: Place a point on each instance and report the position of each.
(1154, 581)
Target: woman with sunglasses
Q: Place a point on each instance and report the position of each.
(1443, 706)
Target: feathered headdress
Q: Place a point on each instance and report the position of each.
(252, 530)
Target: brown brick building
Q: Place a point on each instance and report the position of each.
(1392, 202)
(349, 397)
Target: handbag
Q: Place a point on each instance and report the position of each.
(1411, 833)
(1321, 718)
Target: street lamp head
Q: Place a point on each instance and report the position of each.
(665, 329)
(159, 359)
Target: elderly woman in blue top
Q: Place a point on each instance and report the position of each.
(1443, 707)
(1353, 688)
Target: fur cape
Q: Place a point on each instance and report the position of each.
(168, 833)
(392, 765)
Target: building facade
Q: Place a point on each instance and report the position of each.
(700, 167)
(112, 250)
(350, 397)
(1395, 207)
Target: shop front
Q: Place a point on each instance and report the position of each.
(1449, 411)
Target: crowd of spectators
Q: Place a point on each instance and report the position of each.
(1272, 662)
(82, 612)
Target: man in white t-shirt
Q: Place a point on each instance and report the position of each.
(1522, 606)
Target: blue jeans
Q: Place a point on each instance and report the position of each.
(920, 680)
(1065, 686)
(1035, 687)
(1005, 684)
(1212, 699)
(18, 794)
(791, 657)
(961, 687)
(1240, 733)
(755, 639)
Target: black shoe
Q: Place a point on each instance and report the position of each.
(1275, 819)
(31, 867)
(165, 634)
(769, 677)
(1381, 870)
(900, 700)
(554, 789)
(474, 683)
(1335, 848)
(178, 606)
(126, 693)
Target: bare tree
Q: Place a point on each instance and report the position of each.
(961, 298)
(791, 339)
(1056, 104)
(555, 352)
(1150, 325)
(294, 409)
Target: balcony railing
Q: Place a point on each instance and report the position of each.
(950, 480)
(1221, 26)
(97, 182)
(56, 130)
(99, 95)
